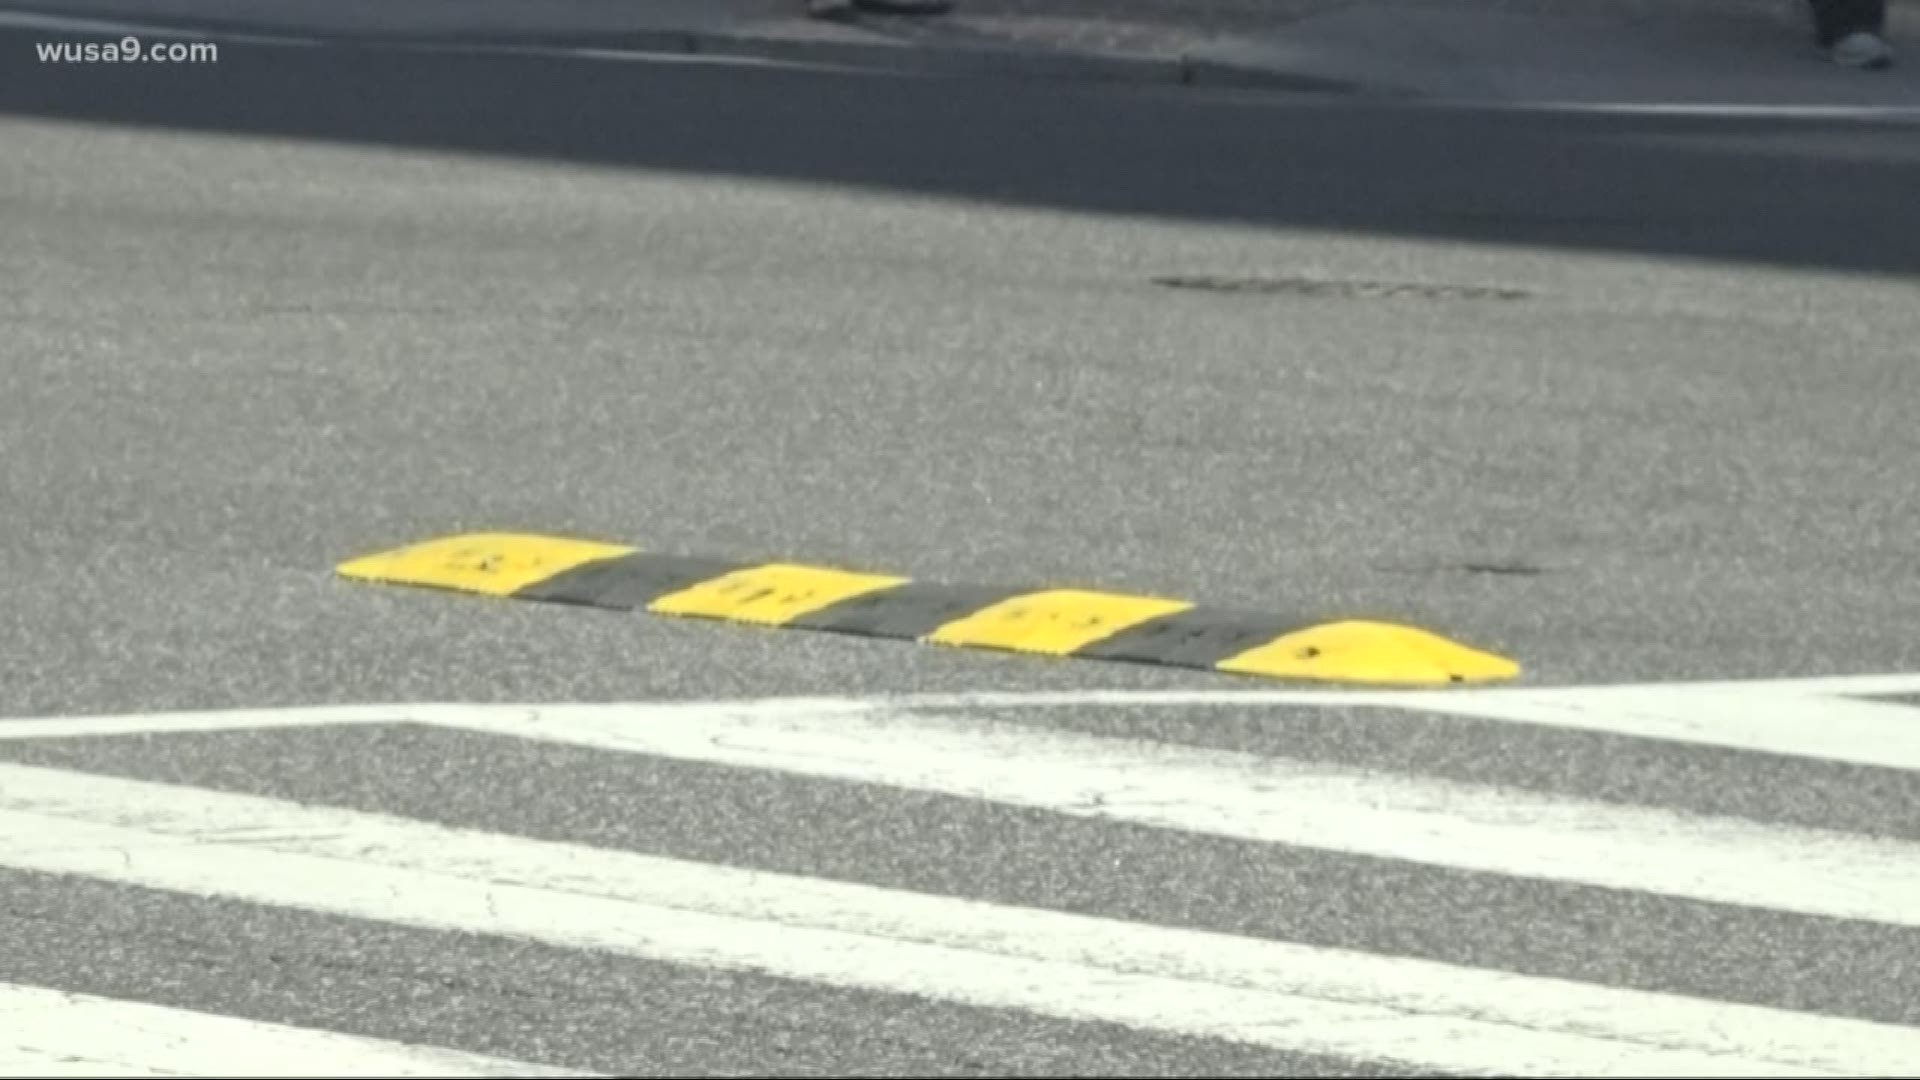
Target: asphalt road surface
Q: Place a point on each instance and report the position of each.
(1627, 399)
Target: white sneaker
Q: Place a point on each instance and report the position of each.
(1862, 50)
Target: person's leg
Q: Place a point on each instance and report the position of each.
(1835, 19)
(1850, 30)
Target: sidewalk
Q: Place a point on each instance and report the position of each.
(1701, 53)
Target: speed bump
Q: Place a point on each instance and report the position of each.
(1046, 621)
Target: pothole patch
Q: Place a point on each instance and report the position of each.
(1476, 567)
(1338, 288)
(1502, 569)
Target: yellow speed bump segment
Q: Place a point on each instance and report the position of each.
(1370, 652)
(1054, 623)
(492, 564)
(1077, 623)
(770, 595)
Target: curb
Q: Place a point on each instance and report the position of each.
(978, 59)
(1227, 74)
(944, 59)
(891, 55)
(1047, 621)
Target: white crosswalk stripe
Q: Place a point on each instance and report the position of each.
(1253, 798)
(1295, 997)
(65, 1034)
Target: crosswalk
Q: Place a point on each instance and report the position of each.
(52, 1033)
(1225, 976)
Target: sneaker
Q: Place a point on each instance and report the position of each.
(1862, 50)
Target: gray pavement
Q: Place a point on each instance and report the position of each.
(306, 304)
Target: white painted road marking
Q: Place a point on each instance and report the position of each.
(1248, 797)
(1244, 796)
(1287, 996)
(1821, 719)
(1849, 730)
(53, 1033)
(1824, 719)
(79, 727)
